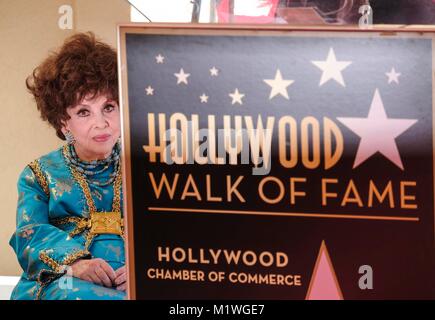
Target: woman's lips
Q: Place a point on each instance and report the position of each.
(102, 137)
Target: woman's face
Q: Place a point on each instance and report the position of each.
(95, 125)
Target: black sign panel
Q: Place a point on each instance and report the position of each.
(278, 164)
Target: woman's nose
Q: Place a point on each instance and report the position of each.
(101, 121)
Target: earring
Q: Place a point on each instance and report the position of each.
(69, 137)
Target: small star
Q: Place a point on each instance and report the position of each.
(204, 98)
(278, 85)
(181, 76)
(331, 68)
(393, 76)
(149, 90)
(237, 97)
(160, 58)
(214, 72)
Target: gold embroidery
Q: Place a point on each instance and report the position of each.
(49, 261)
(40, 177)
(89, 237)
(66, 220)
(117, 192)
(58, 268)
(87, 223)
(101, 222)
(71, 258)
(81, 224)
(84, 186)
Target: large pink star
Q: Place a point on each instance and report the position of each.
(377, 132)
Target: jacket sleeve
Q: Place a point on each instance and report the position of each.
(43, 250)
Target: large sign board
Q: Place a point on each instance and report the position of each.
(278, 163)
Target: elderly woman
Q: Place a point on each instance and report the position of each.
(69, 238)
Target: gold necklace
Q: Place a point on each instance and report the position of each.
(100, 222)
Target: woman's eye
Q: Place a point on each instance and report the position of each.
(83, 113)
(109, 108)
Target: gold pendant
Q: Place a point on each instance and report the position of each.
(106, 223)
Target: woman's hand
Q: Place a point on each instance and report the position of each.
(121, 279)
(94, 270)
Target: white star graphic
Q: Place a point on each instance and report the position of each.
(278, 85)
(331, 68)
(378, 133)
(181, 76)
(203, 98)
(149, 90)
(393, 76)
(214, 72)
(160, 58)
(237, 97)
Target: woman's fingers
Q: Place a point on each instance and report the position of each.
(97, 271)
(122, 287)
(95, 279)
(108, 270)
(121, 279)
(103, 276)
(120, 271)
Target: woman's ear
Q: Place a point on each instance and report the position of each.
(64, 126)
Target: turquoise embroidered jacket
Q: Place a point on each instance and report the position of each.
(50, 236)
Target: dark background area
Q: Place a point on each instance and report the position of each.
(385, 11)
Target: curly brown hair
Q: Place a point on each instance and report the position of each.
(82, 66)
